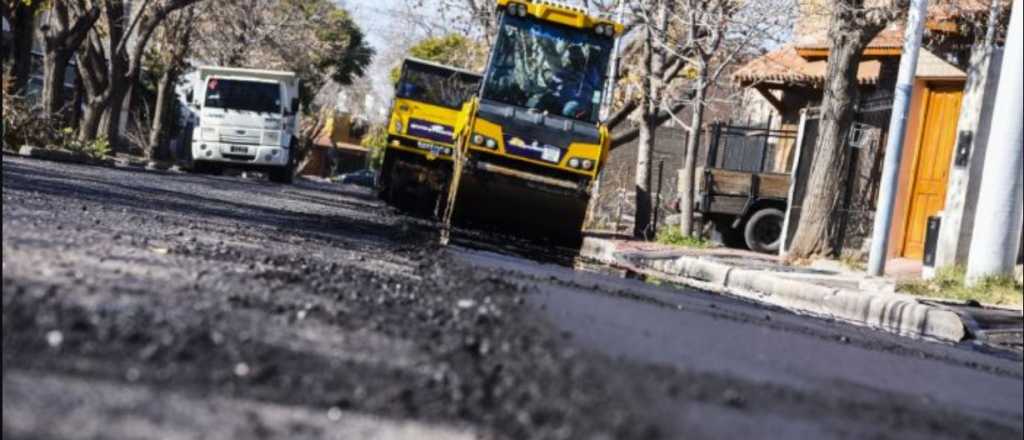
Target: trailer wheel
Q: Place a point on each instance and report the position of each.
(723, 232)
(763, 232)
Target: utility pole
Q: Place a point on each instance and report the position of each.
(897, 131)
(1001, 199)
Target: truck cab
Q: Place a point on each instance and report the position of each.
(247, 119)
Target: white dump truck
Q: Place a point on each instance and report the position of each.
(246, 119)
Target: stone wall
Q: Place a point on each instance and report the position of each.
(614, 207)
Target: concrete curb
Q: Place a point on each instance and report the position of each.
(65, 156)
(899, 314)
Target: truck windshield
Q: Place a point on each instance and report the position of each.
(436, 85)
(548, 67)
(254, 96)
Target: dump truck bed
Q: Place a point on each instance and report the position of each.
(734, 192)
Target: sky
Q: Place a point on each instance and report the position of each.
(375, 18)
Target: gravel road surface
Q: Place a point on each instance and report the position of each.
(160, 305)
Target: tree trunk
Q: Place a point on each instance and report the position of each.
(161, 116)
(92, 116)
(686, 187)
(642, 176)
(23, 27)
(77, 102)
(55, 64)
(813, 234)
(111, 126)
(642, 182)
(654, 62)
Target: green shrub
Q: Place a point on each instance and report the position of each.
(673, 236)
(96, 149)
(949, 283)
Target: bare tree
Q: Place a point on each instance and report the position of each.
(694, 45)
(232, 33)
(477, 18)
(67, 24)
(713, 35)
(316, 39)
(654, 18)
(852, 26)
(172, 48)
(111, 62)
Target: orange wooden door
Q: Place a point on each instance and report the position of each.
(931, 169)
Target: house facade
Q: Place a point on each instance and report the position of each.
(946, 132)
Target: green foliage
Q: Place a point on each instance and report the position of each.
(673, 236)
(449, 50)
(96, 149)
(340, 51)
(949, 284)
(348, 54)
(376, 141)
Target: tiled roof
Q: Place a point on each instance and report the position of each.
(786, 65)
(891, 38)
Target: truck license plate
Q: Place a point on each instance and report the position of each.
(551, 154)
(238, 149)
(432, 148)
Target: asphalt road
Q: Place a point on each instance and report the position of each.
(158, 305)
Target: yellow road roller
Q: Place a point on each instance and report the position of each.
(421, 134)
(530, 144)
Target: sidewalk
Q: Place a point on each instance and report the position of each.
(826, 289)
(115, 161)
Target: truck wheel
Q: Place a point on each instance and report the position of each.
(763, 232)
(203, 167)
(283, 175)
(286, 174)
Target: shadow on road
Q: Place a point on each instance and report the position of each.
(139, 191)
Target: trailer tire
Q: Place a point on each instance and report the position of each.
(763, 231)
(723, 232)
